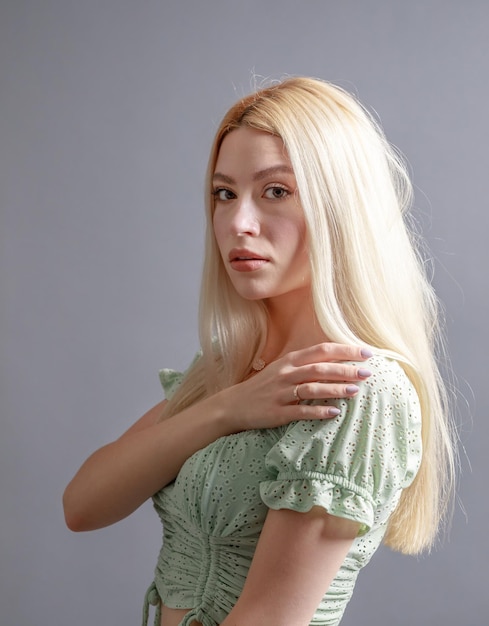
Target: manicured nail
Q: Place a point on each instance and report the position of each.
(364, 373)
(351, 389)
(366, 353)
(333, 411)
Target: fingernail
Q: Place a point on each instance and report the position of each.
(364, 373)
(366, 353)
(333, 411)
(352, 389)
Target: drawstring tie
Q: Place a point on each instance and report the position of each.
(152, 598)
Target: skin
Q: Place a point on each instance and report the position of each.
(260, 230)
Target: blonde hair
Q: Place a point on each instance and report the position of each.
(368, 280)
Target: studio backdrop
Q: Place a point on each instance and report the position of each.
(107, 111)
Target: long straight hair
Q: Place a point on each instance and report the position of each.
(369, 283)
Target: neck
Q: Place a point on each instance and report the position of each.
(292, 325)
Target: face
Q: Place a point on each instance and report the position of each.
(258, 221)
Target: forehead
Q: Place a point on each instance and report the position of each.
(247, 149)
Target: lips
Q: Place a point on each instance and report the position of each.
(243, 260)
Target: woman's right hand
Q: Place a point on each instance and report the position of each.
(279, 393)
(116, 479)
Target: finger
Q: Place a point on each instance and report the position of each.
(315, 411)
(321, 391)
(331, 372)
(329, 351)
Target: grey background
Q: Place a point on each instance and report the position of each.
(107, 109)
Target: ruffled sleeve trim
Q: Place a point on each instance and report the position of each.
(337, 495)
(170, 380)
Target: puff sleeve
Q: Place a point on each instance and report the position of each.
(355, 465)
(171, 379)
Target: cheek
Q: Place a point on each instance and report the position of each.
(291, 233)
(218, 228)
(302, 233)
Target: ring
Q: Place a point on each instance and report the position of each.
(297, 397)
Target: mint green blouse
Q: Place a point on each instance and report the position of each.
(354, 466)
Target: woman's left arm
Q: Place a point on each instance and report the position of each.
(297, 557)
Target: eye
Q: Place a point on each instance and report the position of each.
(222, 194)
(276, 192)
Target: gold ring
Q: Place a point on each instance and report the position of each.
(297, 397)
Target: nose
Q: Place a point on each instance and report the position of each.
(245, 219)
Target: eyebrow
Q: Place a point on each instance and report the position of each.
(260, 175)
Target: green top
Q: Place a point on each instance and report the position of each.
(354, 466)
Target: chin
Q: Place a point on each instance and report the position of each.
(252, 297)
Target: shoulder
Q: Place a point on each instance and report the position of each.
(389, 384)
(353, 465)
(387, 371)
(382, 421)
(373, 448)
(387, 399)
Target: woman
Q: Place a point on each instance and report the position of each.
(270, 509)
